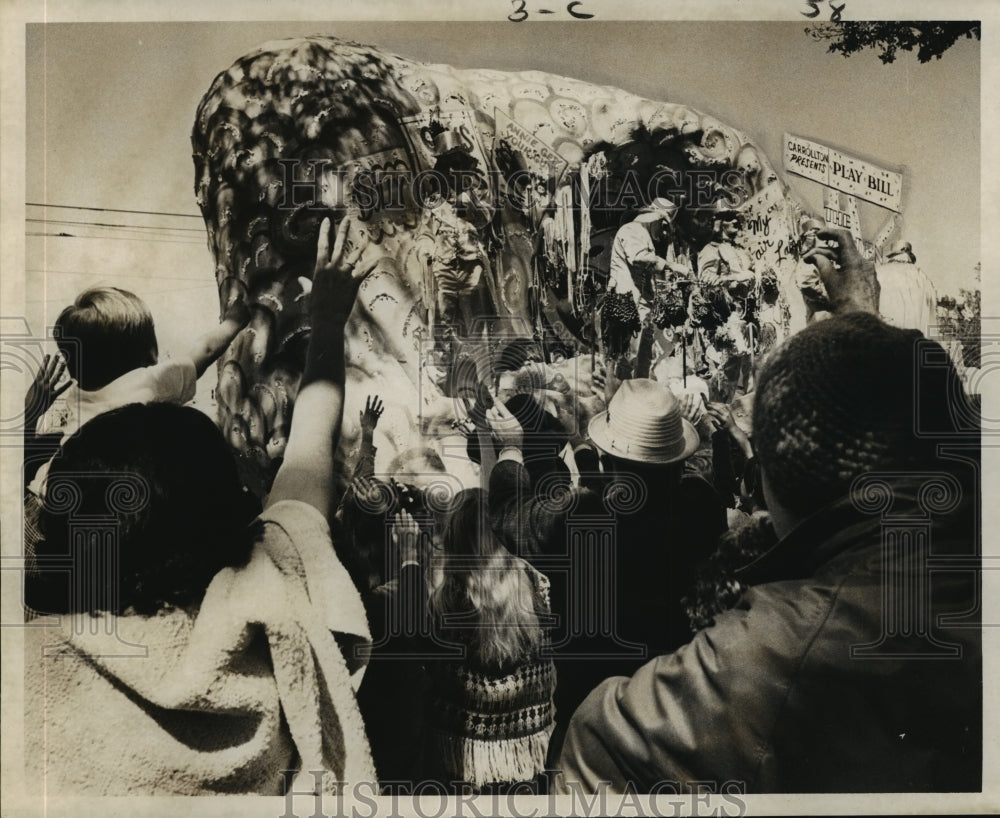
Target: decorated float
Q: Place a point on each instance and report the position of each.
(491, 200)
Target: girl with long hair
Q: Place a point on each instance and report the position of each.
(491, 710)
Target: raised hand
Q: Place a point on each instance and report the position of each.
(338, 274)
(371, 413)
(506, 429)
(406, 536)
(367, 495)
(850, 281)
(306, 474)
(722, 418)
(691, 406)
(44, 389)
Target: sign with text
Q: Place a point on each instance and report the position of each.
(460, 122)
(833, 213)
(843, 172)
(540, 158)
(767, 234)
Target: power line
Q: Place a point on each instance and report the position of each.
(116, 238)
(116, 275)
(128, 226)
(114, 210)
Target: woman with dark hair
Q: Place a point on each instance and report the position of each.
(199, 650)
(491, 711)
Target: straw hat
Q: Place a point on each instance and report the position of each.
(659, 208)
(643, 423)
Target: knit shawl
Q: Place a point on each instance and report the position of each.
(221, 700)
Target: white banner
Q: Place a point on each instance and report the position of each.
(843, 172)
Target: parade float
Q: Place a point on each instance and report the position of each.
(491, 200)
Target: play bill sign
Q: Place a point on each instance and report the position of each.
(843, 172)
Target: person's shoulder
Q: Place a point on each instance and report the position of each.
(152, 377)
(631, 228)
(296, 518)
(695, 483)
(172, 380)
(697, 493)
(171, 367)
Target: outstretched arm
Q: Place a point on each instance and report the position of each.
(306, 473)
(212, 344)
(364, 468)
(368, 420)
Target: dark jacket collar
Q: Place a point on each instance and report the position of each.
(835, 529)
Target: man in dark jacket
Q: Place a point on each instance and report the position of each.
(853, 663)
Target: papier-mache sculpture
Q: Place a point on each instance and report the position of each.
(490, 197)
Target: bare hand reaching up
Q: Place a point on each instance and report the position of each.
(850, 281)
(306, 474)
(44, 389)
(506, 429)
(371, 413)
(338, 274)
(406, 536)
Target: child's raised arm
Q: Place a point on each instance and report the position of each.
(306, 473)
(212, 344)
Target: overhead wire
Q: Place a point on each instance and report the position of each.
(110, 224)
(63, 235)
(114, 210)
(113, 275)
(114, 231)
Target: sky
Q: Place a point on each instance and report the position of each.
(110, 107)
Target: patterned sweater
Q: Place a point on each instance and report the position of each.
(488, 727)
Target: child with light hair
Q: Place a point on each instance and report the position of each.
(108, 348)
(107, 343)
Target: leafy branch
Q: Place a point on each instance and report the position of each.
(930, 38)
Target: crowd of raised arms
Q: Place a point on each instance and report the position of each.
(680, 590)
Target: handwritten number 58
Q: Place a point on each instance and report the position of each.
(835, 10)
